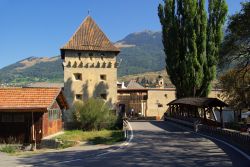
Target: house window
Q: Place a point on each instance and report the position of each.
(103, 77)
(18, 118)
(78, 76)
(6, 118)
(54, 114)
(78, 96)
(104, 96)
(160, 105)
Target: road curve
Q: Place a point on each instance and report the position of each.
(155, 143)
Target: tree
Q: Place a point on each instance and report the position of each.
(236, 88)
(93, 114)
(191, 43)
(235, 50)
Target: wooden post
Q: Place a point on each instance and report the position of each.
(195, 112)
(205, 114)
(33, 133)
(221, 118)
(213, 114)
(170, 110)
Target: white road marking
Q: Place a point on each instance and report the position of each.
(233, 147)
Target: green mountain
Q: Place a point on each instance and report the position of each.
(140, 52)
(33, 69)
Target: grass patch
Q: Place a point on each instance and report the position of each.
(66, 144)
(10, 149)
(96, 137)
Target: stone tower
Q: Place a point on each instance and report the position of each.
(90, 67)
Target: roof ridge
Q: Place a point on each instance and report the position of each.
(77, 29)
(89, 37)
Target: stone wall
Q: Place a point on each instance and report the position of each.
(231, 136)
(158, 100)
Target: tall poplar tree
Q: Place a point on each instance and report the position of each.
(191, 43)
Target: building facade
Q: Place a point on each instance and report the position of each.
(90, 67)
(149, 102)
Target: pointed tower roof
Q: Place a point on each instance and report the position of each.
(89, 37)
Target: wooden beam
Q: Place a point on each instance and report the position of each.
(205, 114)
(221, 118)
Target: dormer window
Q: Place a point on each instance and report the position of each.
(78, 76)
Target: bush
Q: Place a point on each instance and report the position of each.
(94, 114)
(9, 149)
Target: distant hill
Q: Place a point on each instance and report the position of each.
(140, 52)
(33, 69)
(147, 78)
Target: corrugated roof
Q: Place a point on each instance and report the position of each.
(199, 102)
(30, 98)
(89, 37)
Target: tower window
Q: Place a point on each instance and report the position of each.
(79, 55)
(104, 96)
(78, 76)
(103, 77)
(78, 96)
(90, 56)
(102, 55)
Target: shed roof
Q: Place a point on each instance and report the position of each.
(199, 102)
(30, 99)
(89, 37)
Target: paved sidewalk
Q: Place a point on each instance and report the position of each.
(83, 148)
(16, 160)
(7, 160)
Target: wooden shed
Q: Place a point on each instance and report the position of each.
(29, 114)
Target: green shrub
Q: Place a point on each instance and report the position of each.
(94, 114)
(8, 149)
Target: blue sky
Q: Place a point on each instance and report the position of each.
(40, 27)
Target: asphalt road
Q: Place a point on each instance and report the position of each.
(155, 143)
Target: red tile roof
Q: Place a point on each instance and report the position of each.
(30, 98)
(89, 37)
